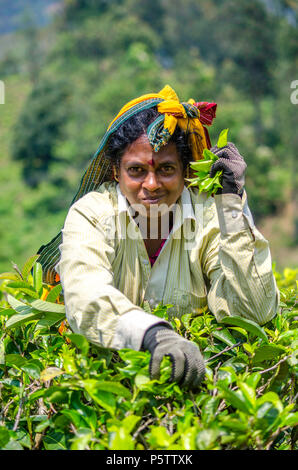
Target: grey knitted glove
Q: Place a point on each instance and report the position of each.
(188, 367)
(233, 168)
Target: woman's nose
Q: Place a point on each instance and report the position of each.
(151, 182)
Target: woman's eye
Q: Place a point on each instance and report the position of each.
(167, 169)
(135, 170)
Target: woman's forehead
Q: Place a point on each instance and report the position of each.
(140, 150)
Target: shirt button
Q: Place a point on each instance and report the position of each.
(145, 261)
(234, 214)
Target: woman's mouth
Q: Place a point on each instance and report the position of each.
(152, 200)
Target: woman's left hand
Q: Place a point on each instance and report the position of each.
(233, 168)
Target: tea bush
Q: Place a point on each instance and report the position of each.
(57, 391)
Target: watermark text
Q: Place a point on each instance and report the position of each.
(294, 94)
(2, 92)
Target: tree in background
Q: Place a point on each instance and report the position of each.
(285, 73)
(39, 127)
(100, 54)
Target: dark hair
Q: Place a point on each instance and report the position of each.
(136, 126)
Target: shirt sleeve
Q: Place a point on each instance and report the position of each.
(94, 307)
(237, 264)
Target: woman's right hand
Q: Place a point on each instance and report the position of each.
(188, 368)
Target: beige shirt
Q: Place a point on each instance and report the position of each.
(214, 256)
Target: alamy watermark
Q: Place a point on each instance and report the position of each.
(294, 94)
(157, 222)
(2, 92)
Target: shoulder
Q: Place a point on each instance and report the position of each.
(205, 204)
(97, 204)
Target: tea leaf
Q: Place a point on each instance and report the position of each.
(37, 276)
(44, 306)
(28, 266)
(223, 138)
(21, 318)
(247, 325)
(50, 373)
(266, 352)
(4, 437)
(80, 341)
(54, 293)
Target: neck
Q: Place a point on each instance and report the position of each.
(156, 228)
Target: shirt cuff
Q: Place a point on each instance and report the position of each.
(230, 211)
(131, 328)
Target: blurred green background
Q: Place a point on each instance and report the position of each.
(69, 66)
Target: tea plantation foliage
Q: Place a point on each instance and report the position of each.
(57, 391)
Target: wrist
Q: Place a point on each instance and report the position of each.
(149, 340)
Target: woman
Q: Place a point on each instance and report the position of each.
(140, 236)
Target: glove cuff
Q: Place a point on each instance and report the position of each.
(149, 341)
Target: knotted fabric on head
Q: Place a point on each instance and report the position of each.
(189, 116)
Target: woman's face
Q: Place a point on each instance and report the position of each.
(149, 178)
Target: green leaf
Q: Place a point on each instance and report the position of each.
(13, 445)
(253, 380)
(4, 436)
(56, 394)
(2, 352)
(143, 382)
(81, 440)
(44, 424)
(236, 399)
(208, 155)
(209, 408)
(21, 318)
(267, 352)
(29, 292)
(223, 138)
(15, 360)
(227, 373)
(160, 438)
(28, 266)
(50, 319)
(129, 422)
(10, 276)
(17, 305)
(80, 341)
(20, 284)
(32, 368)
(54, 293)
(225, 336)
(291, 419)
(233, 424)
(44, 306)
(37, 277)
(121, 440)
(84, 411)
(55, 441)
(207, 439)
(114, 387)
(270, 397)
(249, 394)
(247, 325)
(105, 399)
(50, 373)
(202, 165)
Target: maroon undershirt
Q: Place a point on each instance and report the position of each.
(153, 258)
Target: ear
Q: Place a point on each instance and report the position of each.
(186, 171)
(115, 173)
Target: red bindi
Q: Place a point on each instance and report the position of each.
(151, 162)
